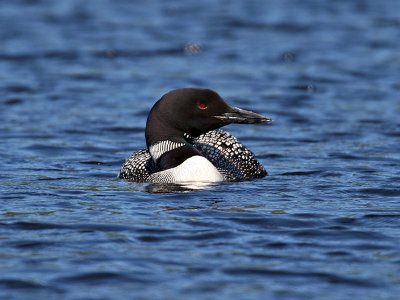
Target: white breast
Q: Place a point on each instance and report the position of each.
(195, 168)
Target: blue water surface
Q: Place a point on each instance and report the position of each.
(77, 80)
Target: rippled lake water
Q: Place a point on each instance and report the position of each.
(77, 79)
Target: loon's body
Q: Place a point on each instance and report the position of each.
(183, 144)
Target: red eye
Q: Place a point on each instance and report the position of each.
(203, 106)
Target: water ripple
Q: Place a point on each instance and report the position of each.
(77, 82)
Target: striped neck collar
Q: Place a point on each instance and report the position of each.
(161, 147)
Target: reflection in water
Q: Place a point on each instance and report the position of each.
(165, 188)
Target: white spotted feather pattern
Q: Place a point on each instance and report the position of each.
(233, 160)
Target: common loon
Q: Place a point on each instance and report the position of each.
(184, 143)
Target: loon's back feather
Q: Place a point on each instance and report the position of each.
(230, 156)
(233, 160)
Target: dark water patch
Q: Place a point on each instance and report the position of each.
(328, 174)
(386, 22)
(360, 73)
(308, 140)
(329, 80)
(274, 222)
(371, 246)
(101, 227)
(56, 178)
(396, 86)
(32, 226)
(340, 233)
(198, 270)
(76, 131)
(289, 27)
(13, 101)
(151, 238)
(199, 235)
(245, 24)
(371, 121)
(20, 89)
(87, 76)
(20, 284)
(380, 191)
(92, 162)
(55, 97)
(307, 88)
(387, 220)
(364, 170)
(155, 231)
(302, 173)
(336, 228)
(392, 133)
(80, 227)
(13, 197)
(17, 57)
(33, 244)
(281, 27)
(47, 149)
(277, 245)
(383, 216)
(114, 163)
(339, 253)
(345, 220)
(54, 55)
(123, 129)
(229, 56)
(331, 278)
(345, 156)
(101, 278)
(61, 55)
(269, 156)
(123, 53)
(310, 215)
(265, 257)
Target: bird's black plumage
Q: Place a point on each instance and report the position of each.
(183, 124)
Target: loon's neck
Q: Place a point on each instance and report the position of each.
(165, 141)
(174, 157)
(168, 144)
(159, 148)
(182, 162)
(172, 151)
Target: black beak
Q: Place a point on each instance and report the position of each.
(237, 115)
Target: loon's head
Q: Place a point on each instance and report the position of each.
(193, 111)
